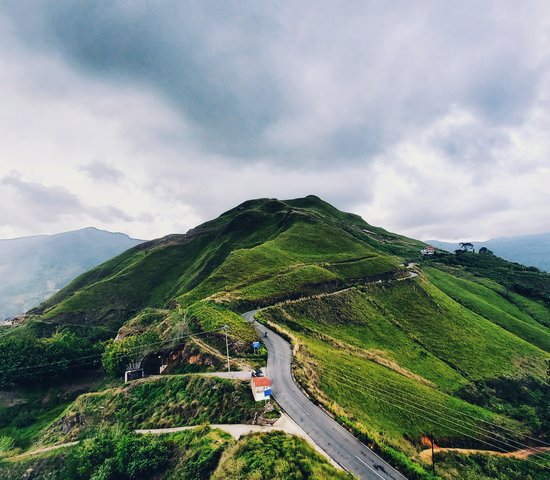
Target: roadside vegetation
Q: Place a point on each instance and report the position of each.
(171, 401)
(116, 454)
(277, 456)
(401, 361)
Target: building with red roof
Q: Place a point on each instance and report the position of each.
(261, 388)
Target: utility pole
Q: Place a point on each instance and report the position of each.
(226, 328)
(433, 456)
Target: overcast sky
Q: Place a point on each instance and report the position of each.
(429, 118)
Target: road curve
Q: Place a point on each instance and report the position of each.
(330, 436)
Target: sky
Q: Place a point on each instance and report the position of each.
(428, 118)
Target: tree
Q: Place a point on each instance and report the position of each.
(128, 353)
(466, 246)
(485, 251)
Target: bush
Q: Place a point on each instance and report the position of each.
(6, 444)
(128, 353)
(113, 455)
(26, 359)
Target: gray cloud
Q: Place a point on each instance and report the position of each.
(200, 105)
(300, 82)
(102, 172)
(46, 203)
(33, 202)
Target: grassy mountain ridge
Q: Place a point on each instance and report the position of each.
(245, 246)
(469, 334)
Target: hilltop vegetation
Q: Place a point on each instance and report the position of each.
(256, 254)
(530, 250)
(451, 346)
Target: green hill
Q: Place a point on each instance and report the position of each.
(397, 346)
(254, 254)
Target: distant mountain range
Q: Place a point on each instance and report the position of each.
(33, 268)
(530, 250)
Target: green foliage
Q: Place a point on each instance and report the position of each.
(118, 456)
(6, 443)
(210, 316)
(128, 352)
(170, 401)
(525, 399)
(494, 306)
(488, 467)
(276, 456)
(26, 359)
(526, 281)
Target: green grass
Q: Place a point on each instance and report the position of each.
(306, 258)
(526, 281)
(392, 361)
(472, 345)
(259, 252)
(196, 454)
(492, 306)
(27, 424)
(115, 454)
(157, 403)
(359, 320)
(451, 465)
(277, 456)
(475, 326)
(210, 316)
(388, 405)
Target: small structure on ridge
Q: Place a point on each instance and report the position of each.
(261, 388)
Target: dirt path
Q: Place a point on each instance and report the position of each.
(30, 453)
(284, 424)
(426, 455)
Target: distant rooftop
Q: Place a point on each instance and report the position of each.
(261, 381)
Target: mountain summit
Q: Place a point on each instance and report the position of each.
(298, 246)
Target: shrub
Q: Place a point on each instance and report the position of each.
(128, 352)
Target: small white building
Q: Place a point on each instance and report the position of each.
(429, 250)
(261, 388)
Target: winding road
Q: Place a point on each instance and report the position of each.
(330, 436)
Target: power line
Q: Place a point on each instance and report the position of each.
(477, 419)
(453, 411)
(426, 414)
(98, 356)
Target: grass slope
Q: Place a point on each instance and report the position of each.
(258, 253)
(393, 361)
(277, 456)
(157, 403)
(494, 306)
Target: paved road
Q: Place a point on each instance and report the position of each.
(337, 442)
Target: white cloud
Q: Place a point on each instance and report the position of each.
(428, 119)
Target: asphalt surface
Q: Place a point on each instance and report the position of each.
(336, 441)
